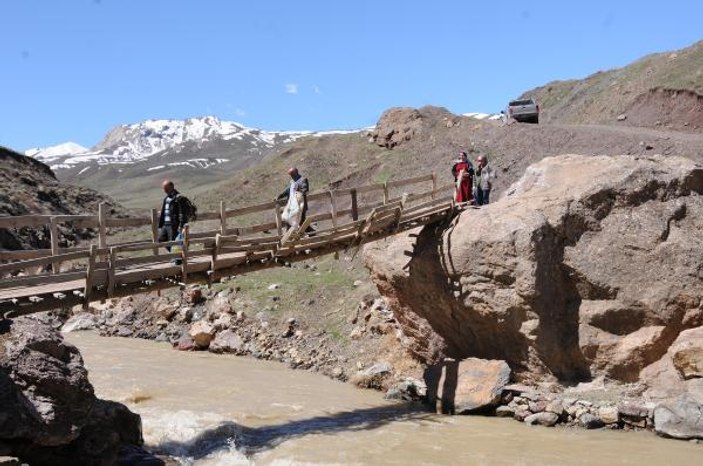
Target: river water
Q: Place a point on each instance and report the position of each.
(207, 409)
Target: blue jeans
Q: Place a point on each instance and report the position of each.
(482, 196)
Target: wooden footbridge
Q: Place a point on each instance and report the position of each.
(220, 244)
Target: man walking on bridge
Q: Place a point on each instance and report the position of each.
(296, 194)
(172, 216)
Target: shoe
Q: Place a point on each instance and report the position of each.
(177, 261)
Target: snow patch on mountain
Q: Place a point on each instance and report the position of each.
(46, 154)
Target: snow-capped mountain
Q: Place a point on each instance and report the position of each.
(129, 144)
(47, 154)
(132, 159)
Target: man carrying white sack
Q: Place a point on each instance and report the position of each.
(296, 195)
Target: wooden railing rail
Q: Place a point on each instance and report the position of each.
(341, 207)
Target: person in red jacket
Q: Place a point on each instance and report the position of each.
(463, 173)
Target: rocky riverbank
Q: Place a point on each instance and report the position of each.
(368, 353)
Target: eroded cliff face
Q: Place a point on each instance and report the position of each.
(588, 268)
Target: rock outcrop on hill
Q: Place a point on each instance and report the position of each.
(28, 186)
(588, 268)
(49, 414)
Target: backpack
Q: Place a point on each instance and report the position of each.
(188, 209)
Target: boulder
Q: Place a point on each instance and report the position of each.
(202, 334)
(227, 342)
(505, 411)
(194, 295)
(681, 419)
(80, 321)
(408, 389)
(396, 126)
(609, 414)
(589, 421)
(545, 419)
(556, 277)
(184, 343)
(374, 376)
(50, 414)
(469, 385)
(687, 353)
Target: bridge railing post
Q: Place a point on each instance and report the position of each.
(155, 231)
(184, 253)
(111, 273)
(354, 205)
(102, 226)
(279, 219)
(333, 208)
(54, 233)
(90, 270)
(223, 218)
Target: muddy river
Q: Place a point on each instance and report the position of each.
(207, 409)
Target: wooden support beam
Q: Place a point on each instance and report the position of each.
(89, 275)
(354, 205)
(154, 231)
(54, 232)
(385, 192)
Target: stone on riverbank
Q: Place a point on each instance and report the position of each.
(81, 321)
(202, 334)
(545, 419)
(466, 386)
(227, 341)
(681, 419)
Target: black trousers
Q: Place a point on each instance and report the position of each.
(167, 233)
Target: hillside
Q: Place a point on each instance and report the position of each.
(663, 90)
(428, 139)
(28, 186)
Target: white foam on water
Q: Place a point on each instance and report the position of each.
(195, 438)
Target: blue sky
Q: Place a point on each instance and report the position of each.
(72, 69)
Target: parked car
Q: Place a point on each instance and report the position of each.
(525, 110)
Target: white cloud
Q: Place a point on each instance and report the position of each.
(317, 90)
(291, 88)
(240, 112)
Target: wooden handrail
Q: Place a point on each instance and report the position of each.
(349, 199)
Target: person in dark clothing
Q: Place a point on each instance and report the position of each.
(296, 194)
(172, 218)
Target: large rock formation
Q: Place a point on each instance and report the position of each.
(49, 413)
(589, 267)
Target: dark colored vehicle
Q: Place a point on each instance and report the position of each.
(525, 110)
